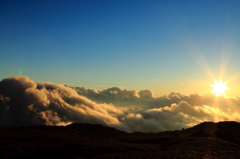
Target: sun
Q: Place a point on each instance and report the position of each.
(219, 88)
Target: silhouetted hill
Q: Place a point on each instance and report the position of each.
(211, 126)
(96, 129)
(227, 130)
(206, 140)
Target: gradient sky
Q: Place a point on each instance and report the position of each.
(164, 46)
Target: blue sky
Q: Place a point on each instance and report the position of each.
(163, 46)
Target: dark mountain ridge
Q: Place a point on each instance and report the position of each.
(227, 130)
(205, 140)
(96, 129)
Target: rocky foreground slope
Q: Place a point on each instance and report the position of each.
(206, 140)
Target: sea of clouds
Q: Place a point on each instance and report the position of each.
(25, 102)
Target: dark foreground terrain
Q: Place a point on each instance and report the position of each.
(206, 140)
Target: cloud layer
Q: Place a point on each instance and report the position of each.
(25, 102)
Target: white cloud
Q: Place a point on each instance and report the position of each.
(25, 102)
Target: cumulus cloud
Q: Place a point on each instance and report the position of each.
(25, 102)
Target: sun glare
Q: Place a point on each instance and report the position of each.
(219, 88)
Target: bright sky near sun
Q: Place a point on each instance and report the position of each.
(164, 46)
